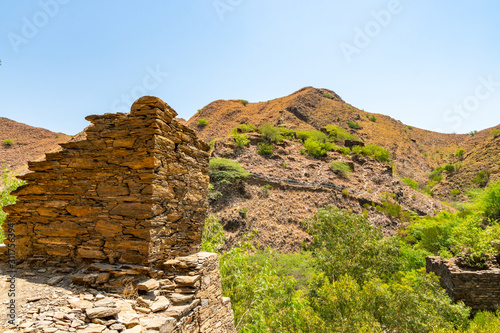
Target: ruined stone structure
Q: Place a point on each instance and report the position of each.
(478, 289)
(134, 191)
(124, 206)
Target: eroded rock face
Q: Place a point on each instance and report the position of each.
(134, 191)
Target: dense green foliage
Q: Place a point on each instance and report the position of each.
(351, 279)
(373, 119)
(460, 153)
(226, 171)
(353, 125)
(8, 183)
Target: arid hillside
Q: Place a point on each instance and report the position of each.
(20, 143)
(415, 152)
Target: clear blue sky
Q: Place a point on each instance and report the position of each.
(430, 64)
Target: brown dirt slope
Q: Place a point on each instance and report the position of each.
(415, 151)
(30, 144)
(297, 185)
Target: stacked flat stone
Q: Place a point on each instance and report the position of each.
(134, 191)
(478, 289)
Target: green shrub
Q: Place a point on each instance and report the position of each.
(213, 235)
(495, 133)
(455, 192)
(374, 151)
(243, 212)
(410, 127)
(472, 133)
(202, 122)
(286, 133)
(460, 153)
(338, 133)
(353, 125)
(373, 119)
(327, 95)
(410, 182)
(265, 190)
(265, 149)
(449, 168)
(341, 168)
(489, 200)
(240, 139)
(270, 133)
(8, 142)
(482, 178)
(8, 184)
(244, 102)
(317, 148)
(224, 171)
(343, 150)
(247, 128)
(347, 243)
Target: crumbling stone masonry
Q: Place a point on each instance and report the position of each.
(478, 289)
(122, 208)
(134, 191)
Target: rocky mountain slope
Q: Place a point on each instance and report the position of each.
(20, 143)
(415, 152)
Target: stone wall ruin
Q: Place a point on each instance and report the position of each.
(124, 205)
(133, 191)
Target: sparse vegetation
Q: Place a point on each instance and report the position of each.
(373, 119)
(341, 168)
(353, 125)
(482, 178)
(224, 171)
(460, 153)
(327, 95)
(270, 133)
(244, 102)
(240, 140)
(411, 183)
(265, 149)
(8, 142)
(246, 128)
(243, 212)
(202, 122)
(338, 133)
(265, 190)
(495, 133)
(374, 151)
(472, 133)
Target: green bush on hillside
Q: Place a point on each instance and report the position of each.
(353, 125)
(317, 148)
(410, 182)
(240, 139)
(460, 153)
(244, 102)
(482, 178)
(495, 133)
(246, 128)
(202, 122)
(327, 95)
(270, 133)
(374, 151)
(489, 201)
(265, 149)
(8, 142)
(338, 133)
(341, 168)
(225, 171)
